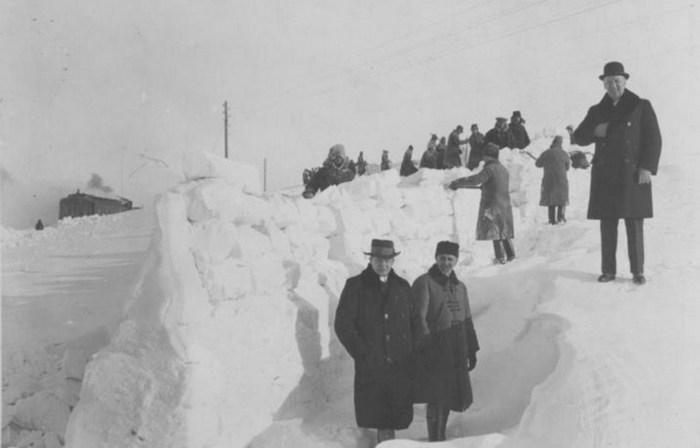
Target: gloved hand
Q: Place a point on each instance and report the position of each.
(471, 361)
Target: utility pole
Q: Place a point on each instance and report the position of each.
(226, 129)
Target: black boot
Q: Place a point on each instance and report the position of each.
(498, 251)
(431, 419)
(443, 413)
(551, 211)
(510, 252)
(385, 434)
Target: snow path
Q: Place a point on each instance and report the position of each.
(63, 292)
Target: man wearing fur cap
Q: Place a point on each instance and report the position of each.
(520, 138)
(444, 339)
(335, 170)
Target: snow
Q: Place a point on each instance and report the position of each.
(207, 321)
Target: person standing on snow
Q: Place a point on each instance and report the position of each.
(453, 154)
(499, 134)
(335, 170)
(385, 163)
(444, 339)
(441, 150)
(519, 137)
(429, 158)
(495, 220)
(39, 225)
(373, 324)
(627, 140)
(407, 166)
(554, 192)
(476, 148)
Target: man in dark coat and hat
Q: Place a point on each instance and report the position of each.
(554, 192)
(373, 324)
(627, 140)
(476, 147)
(444, 339)
(407, 166)
(499, 135)
(495, 221)
(453, 154)
(519, 137)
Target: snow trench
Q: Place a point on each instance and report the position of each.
(229, 342)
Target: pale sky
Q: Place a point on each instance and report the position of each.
(122, 88)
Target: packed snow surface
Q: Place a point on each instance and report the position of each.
(226, 337)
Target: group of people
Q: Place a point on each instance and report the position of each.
(446, 153)
(417, 343)
(443, 153)
(410, 343)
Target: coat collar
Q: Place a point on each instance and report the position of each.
(370, 277)
(441, 278)
(628, 101)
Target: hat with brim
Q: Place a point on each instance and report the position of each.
(614, 69)
(382, 249)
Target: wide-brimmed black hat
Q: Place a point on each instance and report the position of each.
(447, 247)
(382, 249)
(614, 69)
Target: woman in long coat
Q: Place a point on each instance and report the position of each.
(407, 166)
(495, 221)
(373, 324)
(445, 340)
(554, 192)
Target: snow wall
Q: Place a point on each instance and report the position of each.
(230, 325)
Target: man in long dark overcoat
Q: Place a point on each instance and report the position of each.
(373, 324)
(453, 154)
(445, 340)
(495, 219)
(476, 148)
(627, 140)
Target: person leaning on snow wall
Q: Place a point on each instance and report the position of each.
(373, 324)
(335, 170)
(495, 220)
(554, 192)
(444, 339)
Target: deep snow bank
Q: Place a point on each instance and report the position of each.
(235, 307)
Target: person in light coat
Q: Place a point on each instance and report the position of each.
(495, 219)
(444, 339)
(554, 192)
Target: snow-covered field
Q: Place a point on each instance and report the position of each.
(219, 333)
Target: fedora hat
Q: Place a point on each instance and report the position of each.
(614, 69)
(382, 249)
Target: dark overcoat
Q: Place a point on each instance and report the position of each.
(476, 151)
(555, 185)
(495, 221)
(407, 166)
(429, 159)
(444, 338)
(499, 137)
(374, 326)
(632, 141)
(520, 138)
(329, 174)
(453, 153)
